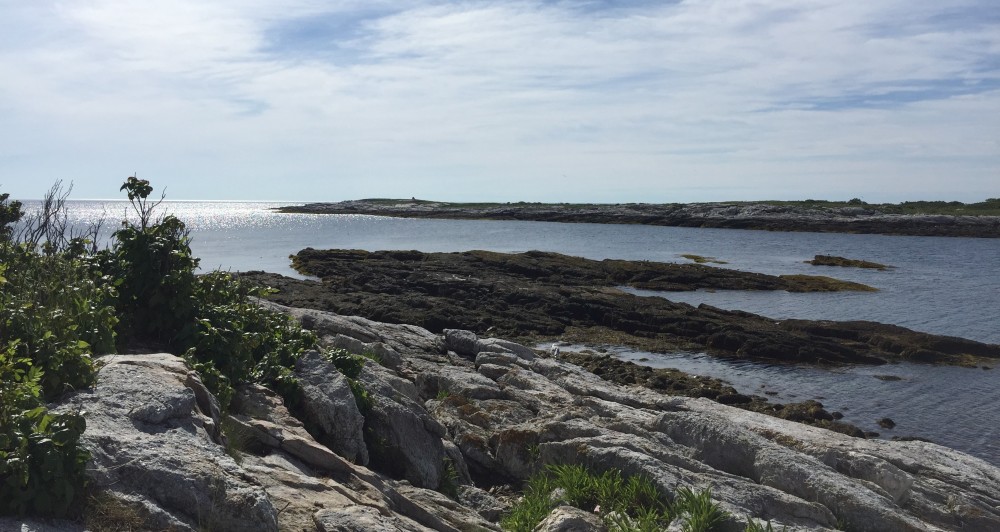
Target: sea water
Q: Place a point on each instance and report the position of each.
(938, 285)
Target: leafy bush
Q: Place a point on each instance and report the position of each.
(234, 340)
(61, 300)
(154, 272)
(52, 315)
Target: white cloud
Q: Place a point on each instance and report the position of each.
(503, 100)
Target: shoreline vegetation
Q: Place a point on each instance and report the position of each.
(914, 218)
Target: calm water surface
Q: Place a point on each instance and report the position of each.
(940, 285)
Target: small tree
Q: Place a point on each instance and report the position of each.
(153, 270)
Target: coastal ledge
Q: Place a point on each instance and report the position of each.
(540, 296)
(806, 216)
(456, 424)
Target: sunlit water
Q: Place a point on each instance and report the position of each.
(940, 285)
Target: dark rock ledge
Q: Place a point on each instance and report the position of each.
(763, 216)
(537, 296)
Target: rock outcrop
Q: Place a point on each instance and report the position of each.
(546, 296)
(473, 425)
(153, 431)
(875, 219)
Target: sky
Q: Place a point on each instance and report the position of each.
(320, 100)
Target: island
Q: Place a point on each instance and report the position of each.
(923, 218)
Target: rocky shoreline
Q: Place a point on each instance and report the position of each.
(453, 424)
(866, 219)
(538, 296)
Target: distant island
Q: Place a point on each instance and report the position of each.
(917, 218)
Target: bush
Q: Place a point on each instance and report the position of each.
(153, 270)
(232, 339)
(42, 466)
(51, 314)
(61, 300)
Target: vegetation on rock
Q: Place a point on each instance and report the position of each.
(624, 504)
(537, 296)
(62, 300)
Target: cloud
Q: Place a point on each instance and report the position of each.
(504, 100)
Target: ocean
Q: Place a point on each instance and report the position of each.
(939, 285)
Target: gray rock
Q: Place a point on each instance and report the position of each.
(493, 371)
(457, 381)
(330, 405)
(260, 419)
(463, 343)
(404, 439)
(404, 339)
(485, 504)
(497, 344)
(505, 359)
(356, 519)
(443, 513)
(385, 355)
(151, 443)
(10, 524)
(550, 412)
(570, 519)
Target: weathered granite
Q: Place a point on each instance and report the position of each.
(330, 406)
(154, 443)
(156, 439)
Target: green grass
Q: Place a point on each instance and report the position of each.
(757, 526)
(624, 504)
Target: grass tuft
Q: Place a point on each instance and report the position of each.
(624, 504)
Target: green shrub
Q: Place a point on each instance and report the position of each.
(52, 315)
(42, 466)
(153, 271)
(234, 337)
(211, 319)
(62, 300)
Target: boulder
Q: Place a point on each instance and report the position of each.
(457, 381)
(505, 346)
(154, 443)
(357, 519)
(403, 439)
(463, 343)
(548, 411)
(260, 421)
(330, 407)
(570, 519)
